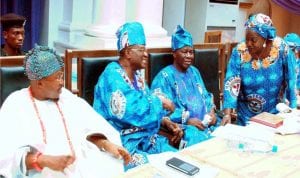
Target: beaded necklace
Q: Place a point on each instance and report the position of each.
(258, 63)
(43, 126)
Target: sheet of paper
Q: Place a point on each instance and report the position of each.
(230, 131)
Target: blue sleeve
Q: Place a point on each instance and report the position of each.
(232, 80)
(291, 78)
(208, 97)
(162, 85)
(122, 105)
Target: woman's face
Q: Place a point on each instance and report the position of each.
(254, 43)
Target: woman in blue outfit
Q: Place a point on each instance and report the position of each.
(182, 83)
(293, 40)
(124, 99)
(260, 73)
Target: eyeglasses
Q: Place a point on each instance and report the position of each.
(60, 77)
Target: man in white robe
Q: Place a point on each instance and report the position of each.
(46, 131)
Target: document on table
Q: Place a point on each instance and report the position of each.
(230, 132)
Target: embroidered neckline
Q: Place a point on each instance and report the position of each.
(258, 63)
(43, 126)
(139, 83)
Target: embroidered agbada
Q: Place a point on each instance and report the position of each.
(20, 129)
(131, 109)
(191, 99)
(254, 86)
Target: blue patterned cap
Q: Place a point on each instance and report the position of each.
(41, 61)
(292, 39)
(181, 38)
(131, 33)
(261, 24)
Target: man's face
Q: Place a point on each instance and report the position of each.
(52, 85)
(139, 56)
(14, 37)
(183, 58)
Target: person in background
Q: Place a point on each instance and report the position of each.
(260, 72)
(293, 40)
(13, 33)
(46, 131)
(124, 99)
(182, 83)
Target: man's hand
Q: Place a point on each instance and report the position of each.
(226, 119)
(167, 104)
(56, 163)
(196, 122)
(116, 150)
(174, 128)
(213, 118)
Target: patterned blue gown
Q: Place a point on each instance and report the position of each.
(254, 86)
(132, 110)
(190, 97)
(298, 73)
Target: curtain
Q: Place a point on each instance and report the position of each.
(32, 10)
(290, 5)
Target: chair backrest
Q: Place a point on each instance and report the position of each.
(207, 62)
(12, 76)
(213, 36)
(219, 69)
(91, 63)
(91, 69)
(229, 48)
(74, 57)
(156, 62)
(158, 59)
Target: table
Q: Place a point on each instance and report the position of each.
(216, 159)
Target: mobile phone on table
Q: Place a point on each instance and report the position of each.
(182, 166)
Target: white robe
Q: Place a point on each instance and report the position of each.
(20, 127)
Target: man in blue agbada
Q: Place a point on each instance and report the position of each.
(260, 72)
(182, 83)
(124, 99)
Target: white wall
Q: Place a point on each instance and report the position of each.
(195, 19)
(173, 14)
(192, 14)
(53, 14)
